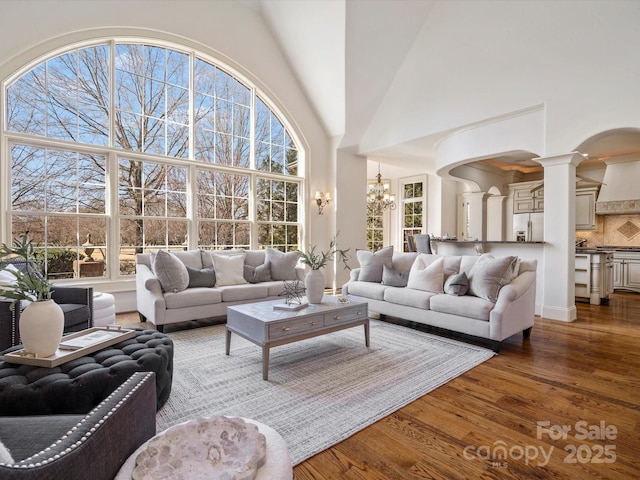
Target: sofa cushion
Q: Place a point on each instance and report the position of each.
(371, 290)
(207, 255)
(283, 265)
(371, 263)
(193, 297)
(465, 306)
(248, 291)
(229, 269)
(170, 270)
(428, 277)
(409, 297)
(255, 258)
(276, 287)
(457, 284)
(489, 274)
(393, 277)
(201, 277)
(261, 273)
(191, 258)
(402, 261)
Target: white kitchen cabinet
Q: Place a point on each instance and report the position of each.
(528, 197)
(594, 276)
(626, 271)
(586, 208)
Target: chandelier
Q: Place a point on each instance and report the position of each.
(379, 197)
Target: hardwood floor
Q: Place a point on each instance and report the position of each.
(577, 375)
(582, 376)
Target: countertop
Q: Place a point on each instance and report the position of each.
(606, 249)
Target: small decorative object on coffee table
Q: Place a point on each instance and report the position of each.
(259, 323)
(293, 292)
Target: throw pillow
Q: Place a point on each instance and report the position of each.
(283, 265)
(261, 273)
(457, 284)
(489, 274)
(371, 263)
(394, 278)
(5, 455)
(229, 269)
(429, 278)
(171, 272)
(201, 277)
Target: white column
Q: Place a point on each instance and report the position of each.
(559, 236)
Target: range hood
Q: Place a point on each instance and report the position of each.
(620, 192)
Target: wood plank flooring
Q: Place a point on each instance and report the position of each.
(487, 423)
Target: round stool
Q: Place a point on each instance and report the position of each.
(104, 309)
(277, 463)
(80, 384)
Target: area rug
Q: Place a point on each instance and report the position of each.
(320, 390)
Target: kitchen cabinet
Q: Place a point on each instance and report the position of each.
(594, 276)
(528, 197)
(626, 271)
(586, 208)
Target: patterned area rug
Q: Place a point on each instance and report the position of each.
(321, 390)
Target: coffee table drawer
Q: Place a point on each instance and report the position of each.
(346, 315)
(295, 326)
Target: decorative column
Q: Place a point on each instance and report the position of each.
(558, 270)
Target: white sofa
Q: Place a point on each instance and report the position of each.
(509, 308)
(163, 305)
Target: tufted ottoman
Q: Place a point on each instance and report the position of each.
(81, 384)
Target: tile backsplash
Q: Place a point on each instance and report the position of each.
(614, 230)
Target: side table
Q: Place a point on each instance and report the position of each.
(104, 309)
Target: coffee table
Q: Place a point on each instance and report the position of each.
(261, 324)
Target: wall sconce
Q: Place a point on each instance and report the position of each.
(322, 200)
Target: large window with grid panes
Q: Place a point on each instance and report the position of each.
(122, 147)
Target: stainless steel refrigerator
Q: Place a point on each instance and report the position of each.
(528, 227)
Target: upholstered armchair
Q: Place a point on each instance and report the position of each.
(84, 446)
(76, 303)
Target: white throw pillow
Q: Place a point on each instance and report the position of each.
(171, 272)
(427, 277)
(6, 277)
(229, 269)
(371, 263)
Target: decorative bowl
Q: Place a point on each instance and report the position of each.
(217, 447)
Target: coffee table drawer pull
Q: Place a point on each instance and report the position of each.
(286, 329)
(313, 323)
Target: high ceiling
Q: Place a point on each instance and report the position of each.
(346, 55)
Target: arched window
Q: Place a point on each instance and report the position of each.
(126, 147)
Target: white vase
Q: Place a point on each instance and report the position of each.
(41, 327)
(314, 285)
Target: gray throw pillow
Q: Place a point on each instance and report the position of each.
(171, 272)
(394, 278)
(371, 263)
(457, 284)
(283, 265)
(489, 274)
(261, 273)
(201, 277)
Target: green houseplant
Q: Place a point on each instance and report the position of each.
(314, 280)
(42, 322)
(29, 285)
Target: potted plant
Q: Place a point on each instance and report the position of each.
(42, 321)
(314, 280)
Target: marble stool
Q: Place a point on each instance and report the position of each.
(277, 463)
(104, 309)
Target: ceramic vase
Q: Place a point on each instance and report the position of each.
(314, 285)
(41, 327)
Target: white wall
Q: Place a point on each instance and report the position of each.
(474, 61)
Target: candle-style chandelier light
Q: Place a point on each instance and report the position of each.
(379, 197)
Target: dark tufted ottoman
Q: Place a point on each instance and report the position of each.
(81, 384)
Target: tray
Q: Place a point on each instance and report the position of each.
(112, 335)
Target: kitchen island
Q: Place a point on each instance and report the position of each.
(594, 275)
